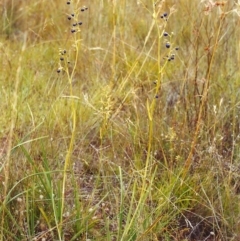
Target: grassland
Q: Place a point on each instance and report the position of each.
(120, 120)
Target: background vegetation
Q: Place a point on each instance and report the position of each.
(119, 120)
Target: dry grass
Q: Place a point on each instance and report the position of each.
(130, 134)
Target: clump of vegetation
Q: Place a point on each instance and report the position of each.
(120, 120)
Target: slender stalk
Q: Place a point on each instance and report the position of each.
(72, 140)
(189, 160)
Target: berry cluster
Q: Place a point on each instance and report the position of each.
(168, 44)
(164, 16)
(75, 27)
(171, 49)
(74, 17)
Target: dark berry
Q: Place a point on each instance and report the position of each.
(72, 14)
(73, 30)
(165, 15)
(172, 57)
(80, 23)
(168, 45)
(74, 24)
(177, 48)
(165, 34)
(156, 96)
(58, 71)
(69, 18)
(68, 2)
(84, 8)
(61, 58)
(64, 51)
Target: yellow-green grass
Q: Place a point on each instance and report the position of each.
(120, 143)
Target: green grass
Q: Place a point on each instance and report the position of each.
(117, 141)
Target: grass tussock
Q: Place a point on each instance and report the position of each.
(120, 120)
